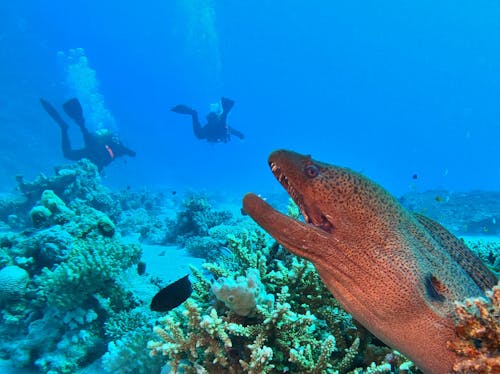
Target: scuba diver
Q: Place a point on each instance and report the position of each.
(101, 147)
(216, 130)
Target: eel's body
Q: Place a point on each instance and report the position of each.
(397, 273)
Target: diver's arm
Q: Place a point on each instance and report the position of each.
(237, 133)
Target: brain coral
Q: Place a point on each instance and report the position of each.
(13, 281)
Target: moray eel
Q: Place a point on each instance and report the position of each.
(398, 273)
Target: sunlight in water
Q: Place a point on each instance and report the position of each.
(201, 35)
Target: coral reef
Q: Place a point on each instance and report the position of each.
(127, 352)
(200, 228)
(60, 275)
(487, 250)
(71, 294)
(478, 331)
(464, 213)
(266, 312)
(243, 295)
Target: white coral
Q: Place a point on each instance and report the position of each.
(243, 294)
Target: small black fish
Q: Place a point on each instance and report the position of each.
(172, 296)
(243, 213)
(141, 267)
(414, 176)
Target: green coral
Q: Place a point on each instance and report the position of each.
(92, 264)
(40, 215)
(127, 352)
(194, 220)
(74, 258)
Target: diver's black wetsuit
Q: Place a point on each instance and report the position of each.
(216, 130)
(101, 150)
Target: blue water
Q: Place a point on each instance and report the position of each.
(391, 89)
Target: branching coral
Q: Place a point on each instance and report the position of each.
(127, 352)
(193, 223)
(91, 265)
(478, 331)
(303, 331)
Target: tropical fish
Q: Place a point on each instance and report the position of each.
(172, 296)
(396, 272)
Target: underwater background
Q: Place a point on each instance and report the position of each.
(407, 93)
(387, 88)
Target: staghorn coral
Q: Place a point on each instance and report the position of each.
(127, 352)
(303, 331)
(478, 331)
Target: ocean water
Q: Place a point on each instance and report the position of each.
(390, 89)
(407, 93)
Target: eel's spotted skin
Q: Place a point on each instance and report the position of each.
(397, 273)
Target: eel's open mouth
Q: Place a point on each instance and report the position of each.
(311, 213)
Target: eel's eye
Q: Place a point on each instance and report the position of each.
(311, 171)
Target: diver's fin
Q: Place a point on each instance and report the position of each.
(74, 110)
(53, 113)
(183, 109)
(227, 104)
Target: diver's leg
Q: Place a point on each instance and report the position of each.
(88, 138)
(70, 154)
(227, 104)
(52, 112)
(197, 129)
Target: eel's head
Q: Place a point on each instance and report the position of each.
(331, 199)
